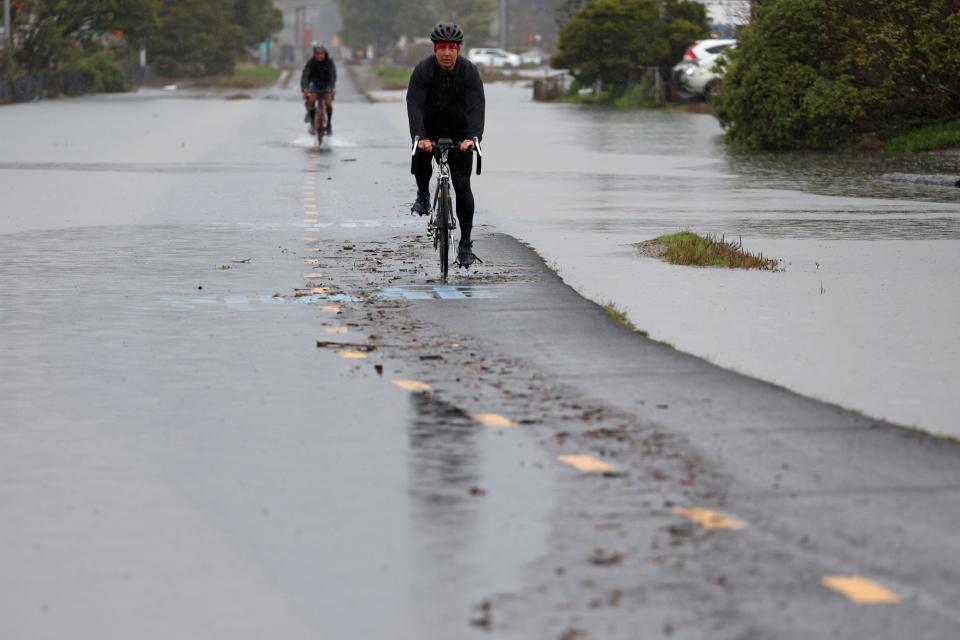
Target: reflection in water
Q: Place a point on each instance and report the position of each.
(444, 465)
(444, 462)
(843, 174)
(839, 228)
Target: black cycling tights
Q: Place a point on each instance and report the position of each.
(461, 166)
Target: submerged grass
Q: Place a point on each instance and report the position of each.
(634, 96)
(945, 135)
(621, 317)
(690, 249)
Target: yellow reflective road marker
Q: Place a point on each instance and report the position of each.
(587, 464)
(861, 590)
(340, 330)
(311, 239)
(330, 308)
(314, 275)
(319, 289)
(350, 354)
(312, 249)
(493, 420)
(411, 385)
(709, 519)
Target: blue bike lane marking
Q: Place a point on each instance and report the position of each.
(438, 292)
(240, 302)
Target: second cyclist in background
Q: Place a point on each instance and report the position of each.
(319, 80)
(445, 100)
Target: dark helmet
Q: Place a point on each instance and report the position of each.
(447, 32)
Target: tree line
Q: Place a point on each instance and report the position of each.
(182, 37)
(383, 22)
(806, 74)
(607, 41)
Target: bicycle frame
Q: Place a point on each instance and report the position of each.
(439, 227)
(443, 180)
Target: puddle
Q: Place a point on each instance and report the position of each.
(246, 302)
(306, 141)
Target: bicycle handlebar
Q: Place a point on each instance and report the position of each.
(416, 142)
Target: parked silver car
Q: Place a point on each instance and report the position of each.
(492, 57)
(697, 74)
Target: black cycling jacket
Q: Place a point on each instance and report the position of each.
(446, 104)
(322, 74)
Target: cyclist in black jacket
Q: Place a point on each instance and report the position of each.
(319, 77)
(445, 100)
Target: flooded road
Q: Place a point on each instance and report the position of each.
(235, 400)
(863, 314)
(177, 457)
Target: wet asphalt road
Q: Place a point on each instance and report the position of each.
(179, 458)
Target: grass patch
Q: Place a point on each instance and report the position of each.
(621, 317)
(242, 78)
(267, 75)
(945, 135)
(690, 249)
(392, 77)
(635, 96)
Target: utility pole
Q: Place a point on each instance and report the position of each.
(299, 26)
(6, 22)
(503, 24)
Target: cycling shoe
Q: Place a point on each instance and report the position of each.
(422, 206)
(466, 257)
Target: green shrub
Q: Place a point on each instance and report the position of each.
(609, 40)
(100, 70)
(820, 74)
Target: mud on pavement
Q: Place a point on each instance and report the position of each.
(619, 560)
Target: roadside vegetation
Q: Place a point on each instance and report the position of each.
(612, 46)
(76, 46)
(392, 76)
(241, 78)
(635, 96)
(620, 316)
(382, 23)
(690, 249)
(825, 74)
(930, 138)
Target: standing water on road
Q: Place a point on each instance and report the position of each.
(864, 312)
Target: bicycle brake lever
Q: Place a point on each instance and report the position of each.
(413, 153)
(476, 144)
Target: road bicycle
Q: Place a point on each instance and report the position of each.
(443, 220)
(318, 125)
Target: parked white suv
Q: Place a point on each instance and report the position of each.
(696, 74)
(487, 57)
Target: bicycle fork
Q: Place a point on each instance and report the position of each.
(451, 217)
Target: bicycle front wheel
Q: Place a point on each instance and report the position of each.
(443, 228)
(320, 123)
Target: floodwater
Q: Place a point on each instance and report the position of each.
(863, 314)
(177, 458)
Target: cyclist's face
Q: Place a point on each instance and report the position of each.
(320, 56)
(447, 54)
